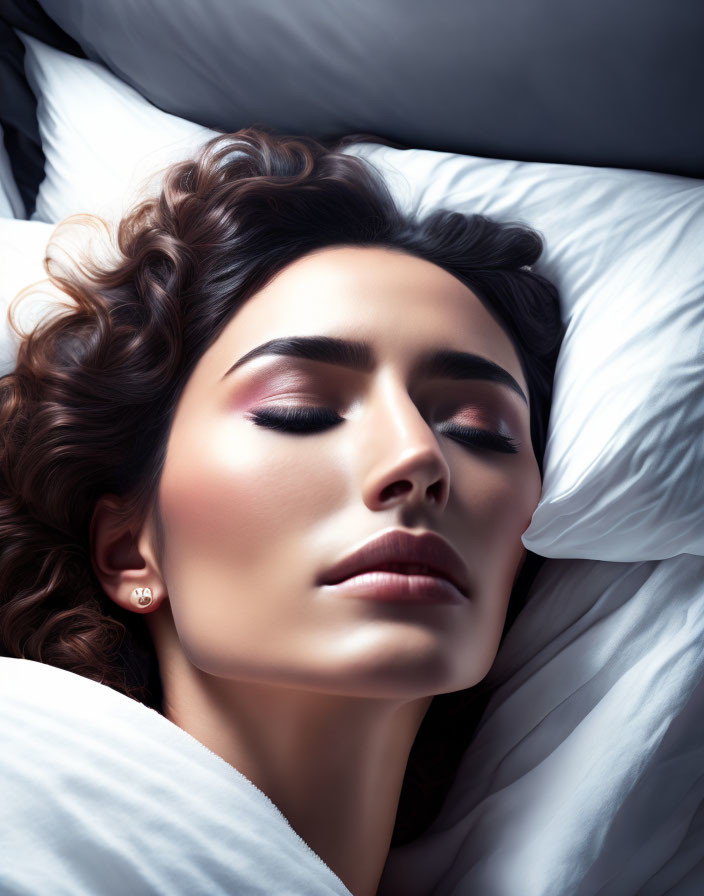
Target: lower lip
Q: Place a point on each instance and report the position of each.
(400, 587)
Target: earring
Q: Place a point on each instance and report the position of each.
(143, 596)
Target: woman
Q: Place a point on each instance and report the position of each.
(281, 368)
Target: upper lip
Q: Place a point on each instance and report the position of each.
(399, 546)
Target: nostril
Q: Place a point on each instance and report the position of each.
(396, 488)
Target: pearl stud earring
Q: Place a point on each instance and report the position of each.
(143, 596)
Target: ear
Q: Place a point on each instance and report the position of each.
(124, 559)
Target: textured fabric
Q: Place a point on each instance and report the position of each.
(586, 774)
(102, 795)
(597, 83)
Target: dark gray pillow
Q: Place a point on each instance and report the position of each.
(604, 82)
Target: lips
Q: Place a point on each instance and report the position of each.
(400, 547)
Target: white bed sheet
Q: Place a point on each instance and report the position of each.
(586, 774)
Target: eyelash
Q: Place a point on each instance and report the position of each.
(308, 420)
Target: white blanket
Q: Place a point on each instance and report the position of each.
(102, 796)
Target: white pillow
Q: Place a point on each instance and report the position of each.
(22, 247)
(624, 456)
(101, 139)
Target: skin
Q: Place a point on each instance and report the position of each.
(317, 698)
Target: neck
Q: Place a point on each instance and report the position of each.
(334, 765)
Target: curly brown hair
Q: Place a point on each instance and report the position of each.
(88, 407)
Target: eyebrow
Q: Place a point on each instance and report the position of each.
(443, 363)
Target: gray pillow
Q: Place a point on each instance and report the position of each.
(597, 83)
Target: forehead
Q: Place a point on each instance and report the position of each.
(400, 303)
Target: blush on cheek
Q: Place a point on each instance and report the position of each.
(212, 512)
(501, 514)
(235, 501)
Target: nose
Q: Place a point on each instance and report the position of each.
(405, 463)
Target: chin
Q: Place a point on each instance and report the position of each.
(408, 670)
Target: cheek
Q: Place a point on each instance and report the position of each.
(500, 504)
(236, 519)
(231, 494)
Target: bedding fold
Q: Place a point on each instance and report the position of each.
(586, 773)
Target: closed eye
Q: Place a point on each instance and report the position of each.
(310, 420)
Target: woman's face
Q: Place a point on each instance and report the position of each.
(252, 516)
